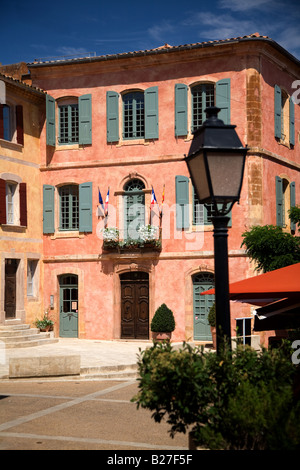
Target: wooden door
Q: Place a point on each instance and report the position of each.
(10, 297)
(135, 305)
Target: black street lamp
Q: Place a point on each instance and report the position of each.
(216, 163)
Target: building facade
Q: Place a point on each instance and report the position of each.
(22, 108)
(116, 132)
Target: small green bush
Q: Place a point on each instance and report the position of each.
(239, 400)
(212, 315)
(163, 320)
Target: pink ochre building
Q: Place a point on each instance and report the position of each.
(116, 129)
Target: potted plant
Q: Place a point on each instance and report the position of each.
(45, 324)
(212, 321)
(162, 324)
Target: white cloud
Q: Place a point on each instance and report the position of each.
(160, 31)
(72, 51)
(246, 5)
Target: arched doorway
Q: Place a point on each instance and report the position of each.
(201, 305)
(134, 305)
(68, 306)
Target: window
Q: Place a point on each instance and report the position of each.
(243, 330)
(11, 123)
(203, 96)
(140, 115)
(69, 208)
(74, 120)
(10, 203)
(68, 124)
(13, 202)
(32, 278)
(134, 206)
(75, 208)
(285, 199)
(191, 102)
(185, 197)
(284, 116)
(7, 125)
(134, 115)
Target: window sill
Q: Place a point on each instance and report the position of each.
(13, 228)
(60, 147)
(124, 143)
(11, 145)
(65, 235)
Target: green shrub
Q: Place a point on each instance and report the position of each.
(212, 315)
(238, 400)
(163, 320)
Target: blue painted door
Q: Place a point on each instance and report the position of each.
(68, 325)
(202, 282)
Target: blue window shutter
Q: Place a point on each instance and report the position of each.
(279, 201)
(182, 201)
(293, 201)
(85, 207)
(292, 122)
(151, 113)
(85, 119)
(48, 209)
(223, 99)
(181, 93)
(50, 120)
(277, 111)
(112, 116)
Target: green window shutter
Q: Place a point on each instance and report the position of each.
(112, 116)
(279, 201)
(181, 93)
(48, 209)
(151, 113)
(223, 99)
(85, 119)
(182, 201)
(85, 207)
(277, 111)
(293, 201)
(50, 120)
(292, 122)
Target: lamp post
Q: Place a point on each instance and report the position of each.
(216, 163)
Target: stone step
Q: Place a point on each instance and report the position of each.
(23, 336)
(13, 327)
(20, 332)
(39, 341)
(109, 372)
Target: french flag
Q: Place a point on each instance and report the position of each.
(153, 198)
(106, 202)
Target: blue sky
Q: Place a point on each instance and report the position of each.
(35, 29)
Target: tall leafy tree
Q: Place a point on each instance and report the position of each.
(271, 248)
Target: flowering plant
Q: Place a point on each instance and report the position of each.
(110, 234)
(148, 233)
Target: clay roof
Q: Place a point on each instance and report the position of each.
(166, 48)
(26, 86)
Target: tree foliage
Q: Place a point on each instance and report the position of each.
(240, 400)
(271, 248)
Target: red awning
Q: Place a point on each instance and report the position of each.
(266, 288)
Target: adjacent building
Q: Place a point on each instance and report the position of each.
(22, 110)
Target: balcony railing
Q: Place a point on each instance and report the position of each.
(146, 238)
